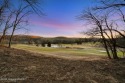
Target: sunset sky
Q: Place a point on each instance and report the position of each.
(60, 19)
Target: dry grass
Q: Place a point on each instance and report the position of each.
(37, 68)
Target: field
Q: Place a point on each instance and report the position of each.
(20, 66)
(67, 51)
(76, 51)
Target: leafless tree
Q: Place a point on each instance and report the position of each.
(17, 16)
(104, 27)
(110, 4)
(20, 14)
(34, 4)
(3, 6)
(114, 5)
(8, 24)
(97, 29)
(109, 26)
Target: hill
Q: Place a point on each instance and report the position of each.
(30, 39)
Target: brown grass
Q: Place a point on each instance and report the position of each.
(37, 68)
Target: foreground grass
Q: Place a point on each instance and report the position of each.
(63, 51)
(19, 66)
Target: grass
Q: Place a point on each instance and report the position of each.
(63, 51)
(36, 68)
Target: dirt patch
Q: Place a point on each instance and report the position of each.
(26, 67)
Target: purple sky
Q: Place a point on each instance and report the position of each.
(60, 19)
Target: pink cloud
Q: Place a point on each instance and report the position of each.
(56, 24)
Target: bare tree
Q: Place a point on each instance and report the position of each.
(8, 24)
(102, 26)
(20, 14)
(117, 6)
(3, 6)
(97, 21)
(34, 4)
(111, 36)
(114, 5)
(6, 5)
(4, 19)
(110, 4)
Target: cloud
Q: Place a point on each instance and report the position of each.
(56, 24)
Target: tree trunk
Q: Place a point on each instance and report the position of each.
(115, 56)
(106, 47)
(104, 41)
(11, 37)
(2, 37)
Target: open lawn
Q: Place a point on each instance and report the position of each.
(71, 51)
(74, 50)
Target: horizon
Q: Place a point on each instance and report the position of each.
(47, 36)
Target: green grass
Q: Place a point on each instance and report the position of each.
(63, 51)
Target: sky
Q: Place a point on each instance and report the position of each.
(60, 19)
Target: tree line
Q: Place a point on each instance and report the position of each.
(30, 40)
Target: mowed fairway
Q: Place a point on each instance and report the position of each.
(63, 52)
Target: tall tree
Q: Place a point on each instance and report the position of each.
(3, 6)
(98, 28)
(102, 26)
(20, 14)
(8, 24)
(116, 6)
